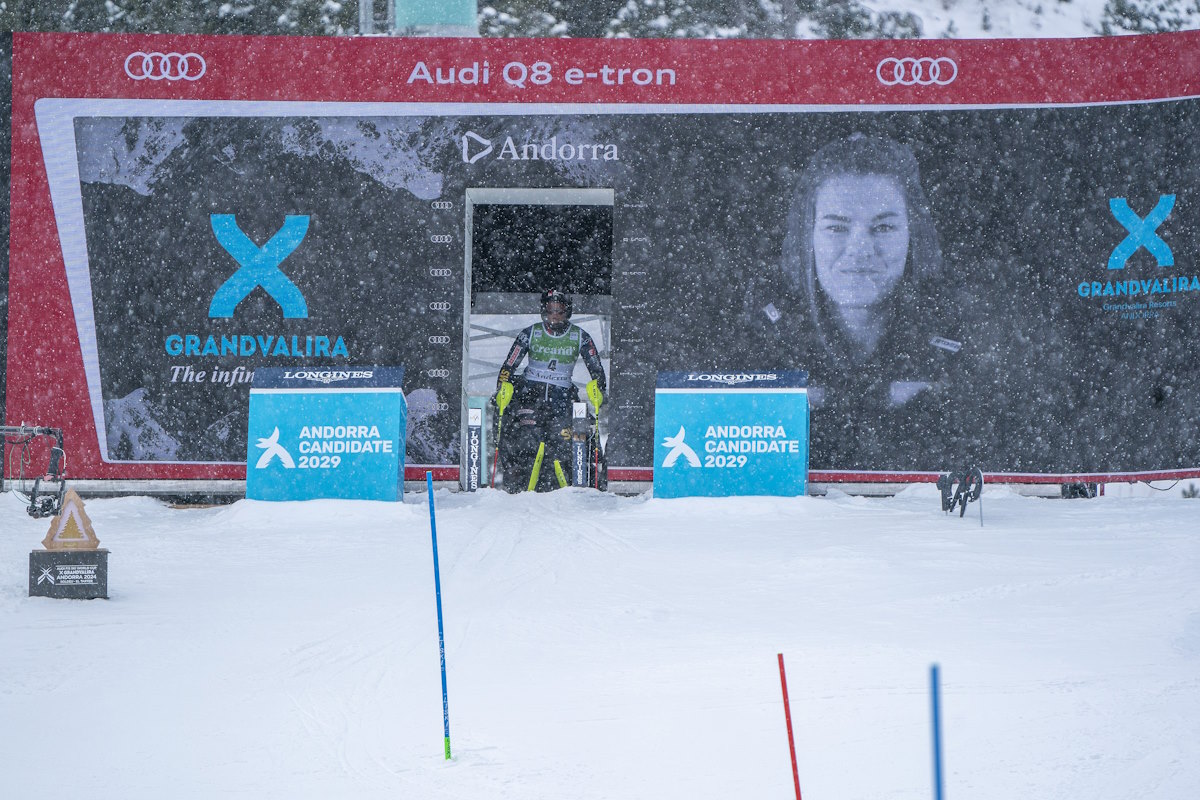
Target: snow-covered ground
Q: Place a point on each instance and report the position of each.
(611, 647)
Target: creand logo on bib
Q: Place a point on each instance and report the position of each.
(546, 349)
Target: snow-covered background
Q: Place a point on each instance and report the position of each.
(988, 19)
(611, 647)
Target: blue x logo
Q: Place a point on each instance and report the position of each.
(259, 266)
(1141, 232)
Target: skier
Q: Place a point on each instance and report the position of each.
(535, 406)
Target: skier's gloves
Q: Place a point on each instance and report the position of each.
(503, 395)
(595, 395)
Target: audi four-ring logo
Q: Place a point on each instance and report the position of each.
(165, 66)
(916, 71)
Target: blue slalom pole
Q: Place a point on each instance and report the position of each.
(437, 586)
(937, 733)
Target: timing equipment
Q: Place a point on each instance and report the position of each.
(46, 495)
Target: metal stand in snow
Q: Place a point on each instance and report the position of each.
(46, 495)
(969, 487)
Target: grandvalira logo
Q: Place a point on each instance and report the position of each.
(475, 147)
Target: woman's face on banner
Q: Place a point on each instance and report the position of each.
(860, 238)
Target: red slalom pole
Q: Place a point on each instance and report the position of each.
(787, 714)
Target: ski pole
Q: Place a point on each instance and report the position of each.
(503, 395)
(437, 588)
(936, 719)
(596, 451)
(787, 715)
(537, 467)
(597, 397)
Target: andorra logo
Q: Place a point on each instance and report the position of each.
(679, 448)
(475, 147)
(273, 448)
(473, 141)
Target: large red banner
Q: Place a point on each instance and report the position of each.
(126, 150)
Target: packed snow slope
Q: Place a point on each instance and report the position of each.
(602, 647)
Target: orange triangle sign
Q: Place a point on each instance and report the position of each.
(71, 529)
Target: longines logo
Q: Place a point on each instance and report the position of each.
(327, 376)
(476, 147)
(731, 379)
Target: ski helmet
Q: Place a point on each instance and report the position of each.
(555, 296)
